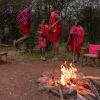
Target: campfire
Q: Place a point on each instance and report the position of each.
(68, 75)
(70, 84)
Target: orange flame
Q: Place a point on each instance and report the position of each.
(67, 75)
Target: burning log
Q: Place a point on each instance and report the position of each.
(95, 80)
(65, 93)
(92, 77)
(70, 84)
(92, 86)
(80, 97)
(60, 92)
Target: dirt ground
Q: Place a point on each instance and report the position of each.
(18, 79)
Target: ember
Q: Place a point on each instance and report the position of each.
(70, 84)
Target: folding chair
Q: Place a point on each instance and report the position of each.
(3, 51)
(93, 52)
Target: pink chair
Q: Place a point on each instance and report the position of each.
(93, 51)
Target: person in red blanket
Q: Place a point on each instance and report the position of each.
(76, 40)
(43, 38)
(46, 31)
(24, 21)
(55, 30)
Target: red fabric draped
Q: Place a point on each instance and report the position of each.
(44, 28)
(76, 40)
(24, 16)
(24, 29)
(25, 22)
(41, 42)
(42, 36)
(56, 31)
(46, 32)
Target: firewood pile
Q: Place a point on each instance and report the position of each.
(80, 88)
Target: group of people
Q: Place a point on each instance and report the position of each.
(50, 33)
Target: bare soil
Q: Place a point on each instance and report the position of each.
(18, 78)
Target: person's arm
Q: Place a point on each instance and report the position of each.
(58, 20)
(40, 32)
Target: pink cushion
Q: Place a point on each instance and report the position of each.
(93, 48)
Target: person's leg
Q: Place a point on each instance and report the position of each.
(22, 39)
(74, 57)
(78, 56)
(43, 53)
(55, 40)
(78, 53)
(56, 50)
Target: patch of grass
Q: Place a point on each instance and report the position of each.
(64, 54)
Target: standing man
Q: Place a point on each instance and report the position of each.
(24, 21)
(76, 40)
(55, 29)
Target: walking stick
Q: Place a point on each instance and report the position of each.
(74, 48)
(61, 94)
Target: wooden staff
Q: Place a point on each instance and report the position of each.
(59, 87)
(75, 36)
(60, 92)
(92, 86)
(52, 26)
(91, 77)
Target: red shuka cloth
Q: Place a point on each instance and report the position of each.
(46, 32)
(56, 31)
(44, 28)
(24, 29)
(42, 39)
(25, 22)
(41, 42)
(76, 40)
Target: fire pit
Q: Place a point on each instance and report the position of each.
(70, 84)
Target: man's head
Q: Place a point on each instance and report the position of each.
(77, 23)
(43, 21)
(30, 7)
(53, 8)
